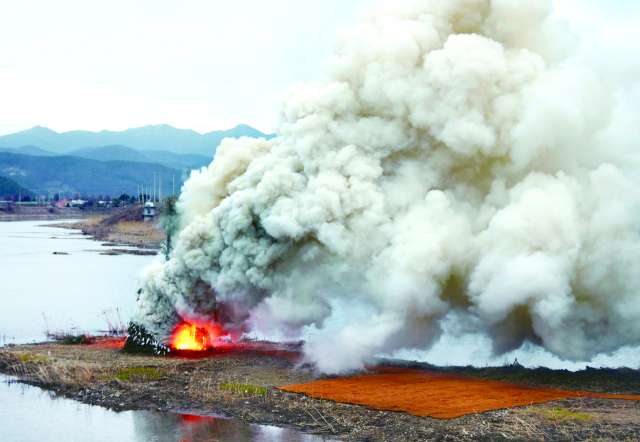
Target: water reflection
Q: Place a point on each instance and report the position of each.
(31, 414)
(170, 427)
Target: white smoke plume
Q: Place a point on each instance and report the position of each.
(461, 155)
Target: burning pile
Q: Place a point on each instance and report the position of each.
(185, 337)
(192, 337)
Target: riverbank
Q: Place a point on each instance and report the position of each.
(26, 213)
(122, 228)
(241, 381)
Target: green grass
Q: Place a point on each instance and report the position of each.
(242, 388)
(27, 358)
(125, 374)
(561, 413)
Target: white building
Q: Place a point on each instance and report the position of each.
(78, 203)
(148, 212)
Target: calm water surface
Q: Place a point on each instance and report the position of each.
(71, 290)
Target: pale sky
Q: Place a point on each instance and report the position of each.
(202, 65)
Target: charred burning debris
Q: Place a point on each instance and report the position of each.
(140, 341)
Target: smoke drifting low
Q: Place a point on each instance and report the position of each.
(461, 155)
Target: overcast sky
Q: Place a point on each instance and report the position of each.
(202, 65)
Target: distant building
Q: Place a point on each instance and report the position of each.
(65, 202)
(148, 212)
(78, 203)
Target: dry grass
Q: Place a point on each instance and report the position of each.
(573, 419)
(40, 371)
(115, 325)
(136, 233)
(121, 228)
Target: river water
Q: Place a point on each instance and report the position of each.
(73, 291)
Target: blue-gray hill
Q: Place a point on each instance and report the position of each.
(10, 187)
(124, 153)
(29, 150)
(161, 137)
(93, 177)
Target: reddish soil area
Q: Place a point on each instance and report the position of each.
(438, 395)
(292, 356)
(107, 342)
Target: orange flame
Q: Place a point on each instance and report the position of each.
(190, 337)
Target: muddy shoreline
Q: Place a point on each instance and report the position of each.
(241, 381)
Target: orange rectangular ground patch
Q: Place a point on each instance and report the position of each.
(437, 395)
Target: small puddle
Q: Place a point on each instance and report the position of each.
(32, 414)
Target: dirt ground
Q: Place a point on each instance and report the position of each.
(239, 381)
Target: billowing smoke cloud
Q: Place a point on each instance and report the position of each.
(462, 155)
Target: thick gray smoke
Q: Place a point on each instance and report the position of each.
(462, 155)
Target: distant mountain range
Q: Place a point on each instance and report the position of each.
(92, 177)
(96, 162)
(161, 137)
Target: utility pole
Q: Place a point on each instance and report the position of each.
(173, 192)
(160, 183)
(154, 186)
